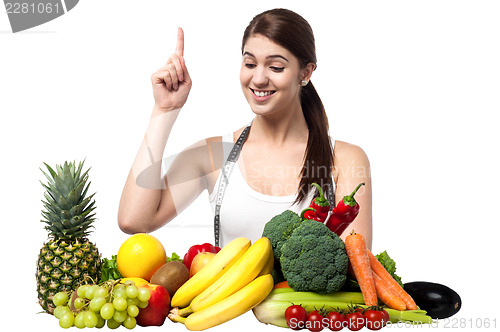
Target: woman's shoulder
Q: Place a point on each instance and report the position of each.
(229, 136)
(346, 147)
(349, 159)
(225, 136)
(344, 152)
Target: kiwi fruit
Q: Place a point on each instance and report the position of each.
(171, 275)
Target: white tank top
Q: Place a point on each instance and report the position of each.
(245, 211)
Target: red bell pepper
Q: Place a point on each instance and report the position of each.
(319, 208)
(344, 213)
(196, 249)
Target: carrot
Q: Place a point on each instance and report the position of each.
(386, 295)
(358, 256)
(380, 270)
(282, 284)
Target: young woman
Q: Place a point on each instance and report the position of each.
(261, 169)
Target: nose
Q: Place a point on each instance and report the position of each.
(259, 77)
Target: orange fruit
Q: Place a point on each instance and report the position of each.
(140, 256)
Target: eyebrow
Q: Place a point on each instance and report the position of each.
(272, 56)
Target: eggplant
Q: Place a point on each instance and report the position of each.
(438, 300)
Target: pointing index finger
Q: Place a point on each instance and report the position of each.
(179, 49)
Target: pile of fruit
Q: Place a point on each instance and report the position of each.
(140, 285)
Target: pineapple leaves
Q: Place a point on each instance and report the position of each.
(68, 210)
(52, 173)
(63, 203)
(79, 171)
(50, 205)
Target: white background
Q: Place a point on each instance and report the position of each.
(414, 83)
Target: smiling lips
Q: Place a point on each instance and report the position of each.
(261, 95)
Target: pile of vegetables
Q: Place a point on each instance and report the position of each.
(312, 265)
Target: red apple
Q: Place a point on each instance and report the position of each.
(199, 261)
(158, 307)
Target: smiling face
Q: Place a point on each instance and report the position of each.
(270, 76)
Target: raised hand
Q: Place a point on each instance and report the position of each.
(172, 83)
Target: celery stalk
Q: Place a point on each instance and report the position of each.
(271, 312)
(281, 290)
(408, 316)
(298, 297)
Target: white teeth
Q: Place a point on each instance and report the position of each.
(262, 93)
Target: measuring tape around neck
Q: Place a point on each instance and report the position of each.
(226, 170)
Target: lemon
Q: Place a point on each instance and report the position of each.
(140, 256)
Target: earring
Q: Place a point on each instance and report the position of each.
(303, 82)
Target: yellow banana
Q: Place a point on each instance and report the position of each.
(268, 267)
(222, 261)
(239, 275)
(233, 306)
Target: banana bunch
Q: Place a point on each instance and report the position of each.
(236, 280)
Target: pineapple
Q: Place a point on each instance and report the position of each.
(68, 257)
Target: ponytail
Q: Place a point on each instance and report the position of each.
(318, 160)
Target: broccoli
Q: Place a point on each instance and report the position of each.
(314, 259)
(279, 229)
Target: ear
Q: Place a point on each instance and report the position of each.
(307, 71)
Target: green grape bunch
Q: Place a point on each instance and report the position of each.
(110, 303)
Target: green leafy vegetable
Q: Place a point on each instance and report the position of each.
(390, 265)
(109, 269)
(174, 257)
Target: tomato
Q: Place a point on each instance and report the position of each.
(355, 321)
(386, 316)
(335, 321)
(296, 317)
(375, 319)
(314, 321)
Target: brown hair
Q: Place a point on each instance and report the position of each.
(294, 33)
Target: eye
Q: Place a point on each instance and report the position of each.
(250, 65)
(277, 69)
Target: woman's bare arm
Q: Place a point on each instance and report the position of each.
(146, 201)
(352, 168)
(145, 188)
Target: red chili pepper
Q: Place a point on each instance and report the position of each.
(319, 208)
(344, 213)
(310, 213)
(196, 249)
